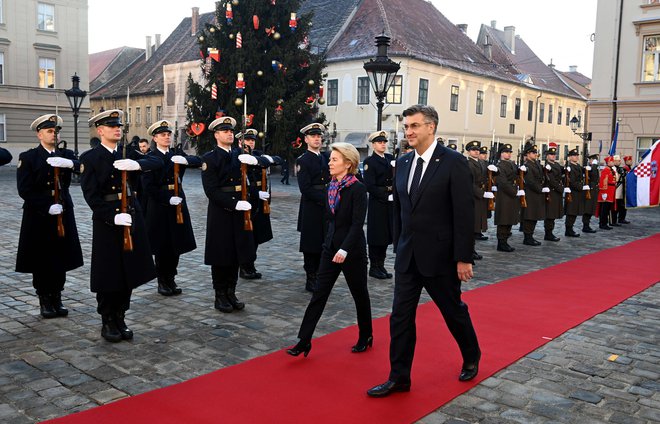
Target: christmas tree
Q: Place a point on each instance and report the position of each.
(259, 68)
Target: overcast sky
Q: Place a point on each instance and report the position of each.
(559, 30)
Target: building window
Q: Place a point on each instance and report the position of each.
(550, 107)
(516, 110)
(651, 59)
(138, 116)
(147, 116)
(558, 115)
(579, 119)
(453, 102)
(541, 112)
(363, 89)
(503, 102)
(46, 72)
(2, 64)
(568, 116)
(129, 114)
(480, 102)
(2, 21)
(643, 144)
(46, 17)
(3, 120)
(530, 110)
(333, 92)
(395, 93)
(171, 94)
(423, 96)
(512, 128)
(159, 113)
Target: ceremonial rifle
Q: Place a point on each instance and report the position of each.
(57, 195)
(247, 219)
(179, 207)
(587, 195)
(569, 196)
(128, 238)
(547, 180)
(521, 186)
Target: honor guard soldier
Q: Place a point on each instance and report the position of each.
(48, 245)
(507, 207)
(259, 195)
(534, 194)
(606, 191)
(480, 191)
(229, 239)
(554, 191)
(574, 199)
(590, 204)
(378, 174)
(121, 255)
(619, 212)
(483, 153)
(313, 175)
(5, 156)
(168, 221)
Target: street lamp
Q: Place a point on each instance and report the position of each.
(585, 136)
(76, 97)
(381, 72)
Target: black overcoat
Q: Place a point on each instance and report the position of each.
(535, 209)
(507, 204)
(313, 175)
(575, 183)
(554, 209)
(378, 178)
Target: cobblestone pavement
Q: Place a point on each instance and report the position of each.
(50, 368)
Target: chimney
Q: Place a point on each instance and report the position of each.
(148, 49)
(195, 21)
(493, 24)
(488, 48)
(572, 68)
(157, 42)
(510, 38)
(551, 65)
(463, 28)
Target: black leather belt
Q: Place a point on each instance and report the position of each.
(114, 196)
(167, 187)
(256, 184)
(386, 189)
(230, 189)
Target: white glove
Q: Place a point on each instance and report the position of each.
(55, 209)
(493, 189)
(57, 162)
(520, 193)
(548, 167)
(270, 158)
(264, 195)
(523, 168)
(175, 200)
(179, 159)
(604, 196)
(123, 219)
(126, 165)
(588, 168)
(567, 190)
(393, 164)
(568, 169)
(492, 168)
(545, 190)
(248, 159)
(243, 205)
(586, 187)
(390, 198)
(594, 162)
(488, 195)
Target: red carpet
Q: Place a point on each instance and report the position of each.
(512, 318)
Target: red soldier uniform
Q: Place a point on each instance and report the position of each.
(606, 189)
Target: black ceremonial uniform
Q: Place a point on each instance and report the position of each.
(590, 205)
(535, 198)
(114, 272)
(313, 175)
(554, 208)
(378, 175)
(40, 250)
(167, 238)
(576, 206)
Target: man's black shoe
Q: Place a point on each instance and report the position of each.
(388, 387)
(624, 222)
(551, 237)
(614, 224)
(503, 246)
(588, 230)
(376, 272)
(480, 236)
(571, 233)
(604, 227)
(468, 372)
(476, 256)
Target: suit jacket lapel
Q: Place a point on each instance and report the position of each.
(431, 168)
(403, 174)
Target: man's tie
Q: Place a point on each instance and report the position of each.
(417, 176)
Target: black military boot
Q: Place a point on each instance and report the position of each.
(588, 229)
(375, 270)
(381, 265)
(109, 331)
(56, 301)
(164, 288)
(257, 275)
(172, 286)
(46, 307)
(476, 256)
(570, 233)
(222, 301)
(529, 240)
(503, 246)
(126, 333)
(233, 300)
(550, 237)
(248, 274)
(310, 283)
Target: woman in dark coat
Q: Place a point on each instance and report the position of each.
(344, 250)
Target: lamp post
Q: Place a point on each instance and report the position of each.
(381, 72)
(585, 136)
(76, 97)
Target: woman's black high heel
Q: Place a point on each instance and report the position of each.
(362, 345)
(300, 348)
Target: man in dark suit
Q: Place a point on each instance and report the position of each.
(434, 242)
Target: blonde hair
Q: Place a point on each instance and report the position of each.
(350, 154)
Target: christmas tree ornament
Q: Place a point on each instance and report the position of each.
(276, 36)
(240, 84)
(214, 91)
(270, 31)
(231, 36)
(280, 101)
(229, 14)
(220, 113)
(272, 2)
(260, 73)
(212, 29)
(208, 66)
(310, 82)
(275, 65)
(310, 101)
(304, 43)
(279, 111)
(234, 2)
(255, 22)
(304, 64)
(261, 134)
(201, 38)
(249, 120)
(214, 53)
(238, 102)
(297, 143)
(239, 40)
(321, 90)
(321, 101)
(197, 127)
(189, 103)
(293, 22)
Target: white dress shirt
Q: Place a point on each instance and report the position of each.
(426, 156)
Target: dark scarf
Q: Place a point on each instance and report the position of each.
(335, 188)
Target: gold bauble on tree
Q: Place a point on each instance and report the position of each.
(310, 82)
(231, 36)
(261, 134)
(276, 36)
(212, 30)
(238, 102)
(321, 101)
(190, 103)
(201, 38)
(234, 2)
(260, 73)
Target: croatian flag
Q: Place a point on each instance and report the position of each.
(643, 181)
